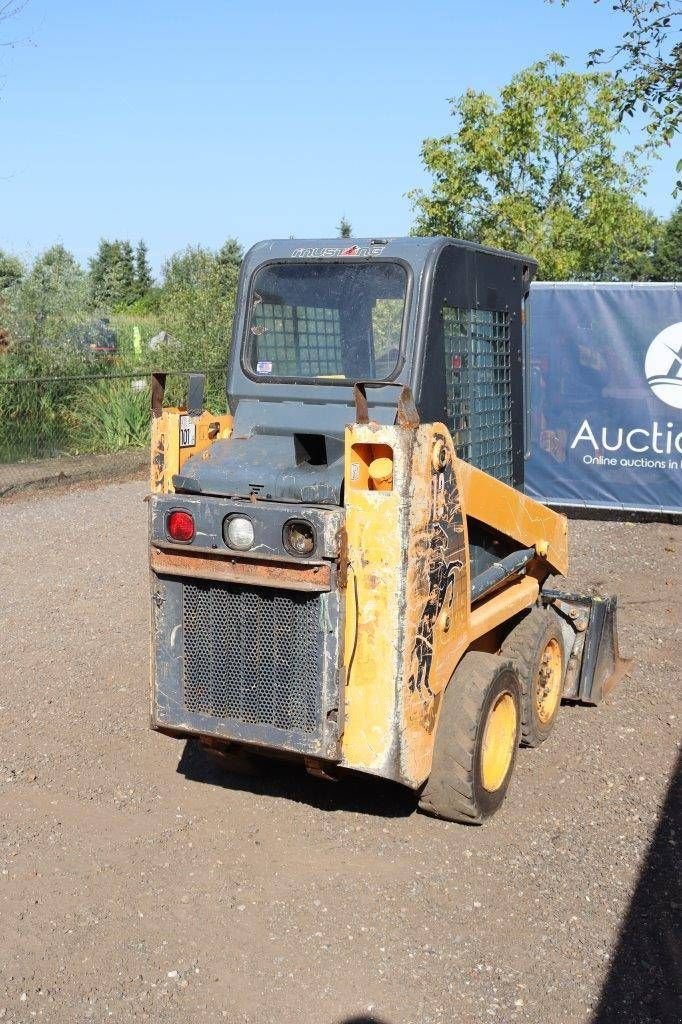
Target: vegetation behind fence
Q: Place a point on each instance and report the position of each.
(84, 426)
(77, 347)
(45, 417)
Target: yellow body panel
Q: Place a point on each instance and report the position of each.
(515, 515)
(168, 457)
(409, 619)
(375, 525)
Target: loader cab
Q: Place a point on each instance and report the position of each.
(441, 316)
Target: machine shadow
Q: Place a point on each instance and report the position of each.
(290, 781)
(363, 1020)
(644, 983)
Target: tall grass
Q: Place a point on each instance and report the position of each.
(111, 415)
(56, 399)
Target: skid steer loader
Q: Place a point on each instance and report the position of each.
(344, 568)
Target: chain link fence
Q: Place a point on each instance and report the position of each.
(84, 427)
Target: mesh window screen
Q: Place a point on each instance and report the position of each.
(300, 341)
(478, 384)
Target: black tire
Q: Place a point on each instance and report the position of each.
(455, 788)
(526, 645)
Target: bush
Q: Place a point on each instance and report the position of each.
(111, 415)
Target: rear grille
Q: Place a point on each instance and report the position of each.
(252, 654)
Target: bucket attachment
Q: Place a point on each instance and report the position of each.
(594, 664)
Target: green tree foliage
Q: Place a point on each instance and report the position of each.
(229, 261)
(46, 306)
(344, 228)
(648, 60)
(536, 169)
(197, 303)
(11, 270)
(667, 259)
(118, 276)
(143, 272)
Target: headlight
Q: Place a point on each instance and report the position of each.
(238, 533)
(298, 537)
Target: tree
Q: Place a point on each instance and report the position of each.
(12, 270)
(124, 283)
(46, 306)
(143, 272)
(113, 275)
(537, 170)
(648, 60)
(344, 228)
(198, 302)
(229, 260)
(667, 258)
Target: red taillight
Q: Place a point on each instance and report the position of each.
(180, 526)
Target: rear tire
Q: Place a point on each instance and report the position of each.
(536, 646)
(476, 741)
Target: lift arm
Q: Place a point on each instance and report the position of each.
(526, 522)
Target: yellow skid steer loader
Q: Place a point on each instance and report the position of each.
(344, 568)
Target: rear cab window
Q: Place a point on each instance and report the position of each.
(325, 321)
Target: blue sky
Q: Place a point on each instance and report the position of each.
(187, 122)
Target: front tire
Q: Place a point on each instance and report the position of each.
(536, 646)
(476, 742)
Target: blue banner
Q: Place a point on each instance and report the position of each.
(605, 379)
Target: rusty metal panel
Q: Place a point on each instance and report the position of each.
(245, 663)
(268, 519)
(224, 568)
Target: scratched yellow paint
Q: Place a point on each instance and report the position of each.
(515, 515)
(167, 457)
(437, 597)
(374, 527)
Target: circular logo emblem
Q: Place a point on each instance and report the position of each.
(663, 366)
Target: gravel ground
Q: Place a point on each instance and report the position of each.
(36, 474)
(137, 882)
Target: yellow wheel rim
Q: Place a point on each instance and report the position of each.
(499, 740)
(548, 682)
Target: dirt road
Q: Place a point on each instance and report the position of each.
(138, 883)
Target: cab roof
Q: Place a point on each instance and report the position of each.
(414, 249)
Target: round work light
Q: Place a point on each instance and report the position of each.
(298, 537)
(238, 533)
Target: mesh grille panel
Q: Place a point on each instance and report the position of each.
(252, 654)
(298, 340)
(478, 380)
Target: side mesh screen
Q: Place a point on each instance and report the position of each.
(478, 386)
